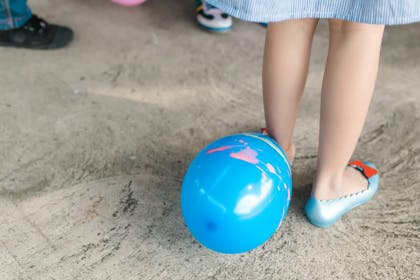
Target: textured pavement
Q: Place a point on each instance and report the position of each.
(95, 140)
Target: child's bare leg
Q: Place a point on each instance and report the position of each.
(286, 60)
(348, 85)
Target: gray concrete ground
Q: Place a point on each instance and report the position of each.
(95, 140)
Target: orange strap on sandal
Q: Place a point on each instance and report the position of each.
(366, 170)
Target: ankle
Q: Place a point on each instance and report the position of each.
(290, 152)
(327, 186)
(288, 146)
(339, 183)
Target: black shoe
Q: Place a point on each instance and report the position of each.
(37, 34)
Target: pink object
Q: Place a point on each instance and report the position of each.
(247, 154)
(128, 3)
(220, 149)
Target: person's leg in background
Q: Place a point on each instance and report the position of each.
(20, 28)
(13, 14)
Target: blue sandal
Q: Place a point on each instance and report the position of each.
(324, 213)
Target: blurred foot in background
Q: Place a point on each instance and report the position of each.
(20, 28)
(211, 18)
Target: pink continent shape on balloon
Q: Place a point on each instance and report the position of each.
(247, 154)
(128, 3)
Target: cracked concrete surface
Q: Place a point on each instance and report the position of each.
(95, 140)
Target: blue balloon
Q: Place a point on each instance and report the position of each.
(236, 192)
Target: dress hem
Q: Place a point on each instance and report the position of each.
(329, 15)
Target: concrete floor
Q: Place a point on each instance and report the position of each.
(95, 140)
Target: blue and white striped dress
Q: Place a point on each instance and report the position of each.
(388, 12)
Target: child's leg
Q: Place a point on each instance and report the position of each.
(286, 60)
(348, 85)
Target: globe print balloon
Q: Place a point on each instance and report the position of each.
(236, 192)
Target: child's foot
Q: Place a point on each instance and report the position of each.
(211, 18)
(37, 34)
(351, 182)
(327, 205)
(290, 151)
